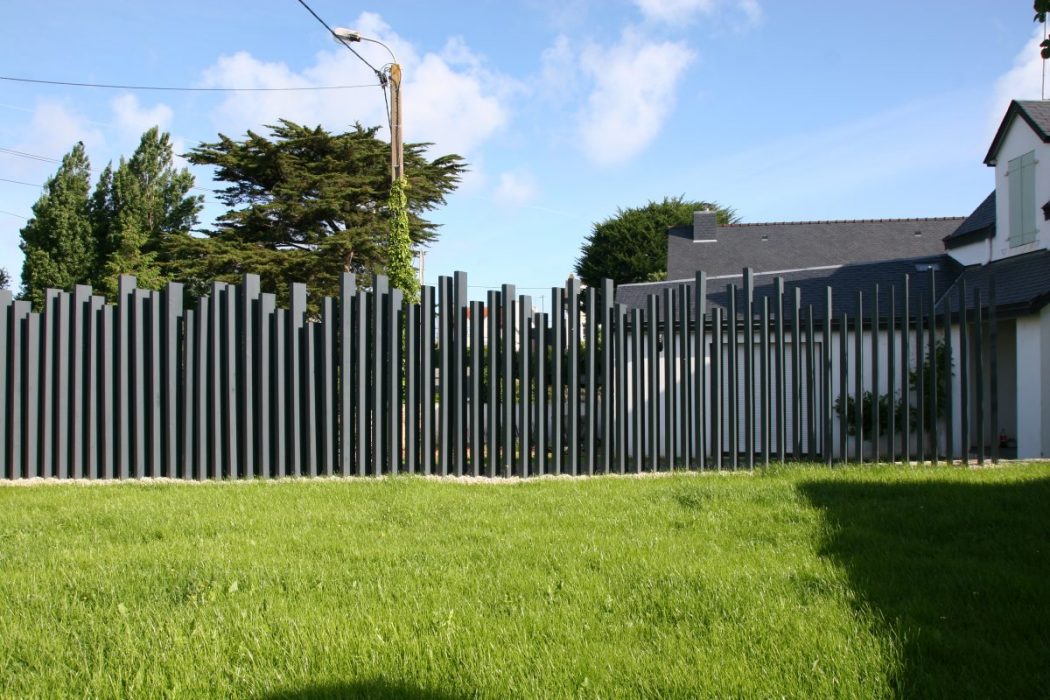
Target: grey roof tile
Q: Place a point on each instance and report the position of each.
(978, 226)
(845, 280)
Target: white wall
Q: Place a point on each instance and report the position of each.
(1030, 387)
(1020, 139)
(1045, 369)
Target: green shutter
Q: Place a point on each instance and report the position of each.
(1028, 225)
(1014, 189)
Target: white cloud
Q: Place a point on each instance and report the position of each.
(634, 91)
(450, 98)
(515, 189)
(681, 11)
(130, 116)
(673, 10)
(1022, 82)
(53, 130)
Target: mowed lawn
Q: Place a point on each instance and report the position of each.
(856, 583)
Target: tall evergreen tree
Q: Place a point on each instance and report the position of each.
(306, 204)
(57, 241)
(136, 208)
(632, 246)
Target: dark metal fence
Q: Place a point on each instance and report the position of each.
(236, 387)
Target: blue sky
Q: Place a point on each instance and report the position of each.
(564, 109)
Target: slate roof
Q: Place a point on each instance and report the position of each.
(846, 281)
(979, 225)
(804, 244)
(1035, 112)
(1022, 284)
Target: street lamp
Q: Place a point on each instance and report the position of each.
(390, 76)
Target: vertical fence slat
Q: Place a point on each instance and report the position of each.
(826, 441)
(749, 368)
(622, 424)
(557, 377)
(139, 412)
(949, 413)
(669, 382)
(811, 387)
(716, 387)
(457, 394)
(425, 381)
(590, 379)
(92, 413)
(875, 374)
(964, 376)
(858, 391)
(6, 357)
(920, 385)
(891, 374)
(934, 383)
(492, 407)
(653, 396)
(781, 379)
(247, 397)
(572, 301)
(522, 363)
(412, 381)
(700, 367)
(361, 380)
(280, 392)
(33, 327)
(637, 392)
(993, 368)
(764, 413)
(905, 367)
(79, 351)
(733, 379)
(606, 376)
(393, 379)
(477, 310)
(978, 363)
(264, 360)
(542, 401)
(508, 326)
(347, 289)
(843, 387)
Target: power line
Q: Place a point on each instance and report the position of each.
(19, 182)
(11, 213)
(331, 31)
(109, 86)
(31, 156)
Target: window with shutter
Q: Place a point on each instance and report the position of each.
(1021, 185)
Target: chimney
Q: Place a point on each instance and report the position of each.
(705, 226)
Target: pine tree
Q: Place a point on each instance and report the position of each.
(57, 241)
(136, 209)
(306, 204)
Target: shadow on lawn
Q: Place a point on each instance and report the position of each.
(378, 689)
(960, 572)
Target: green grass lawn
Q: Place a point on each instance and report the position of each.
(854, 583)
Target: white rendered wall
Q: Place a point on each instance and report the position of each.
(1030, 387)
(1045, 370)
(1020, 139)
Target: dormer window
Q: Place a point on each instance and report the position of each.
(1021, 184)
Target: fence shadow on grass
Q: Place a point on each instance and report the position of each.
(960, 572)
(376, 689)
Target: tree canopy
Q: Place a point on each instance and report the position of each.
(631, 246)
(57, 241)
(136, 208)
(74, 238)
(306, 204)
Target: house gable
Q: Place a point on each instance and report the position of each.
(1020, 154)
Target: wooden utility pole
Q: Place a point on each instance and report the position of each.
(397, 146)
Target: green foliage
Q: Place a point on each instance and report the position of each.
(121, 229)
(945, 366)
(632, 245)
(1042, 7)
(136, 209)
(399, 249)
(5, 278)
(306, 204)
(57, 241)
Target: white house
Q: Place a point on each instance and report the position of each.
(1005, 239)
